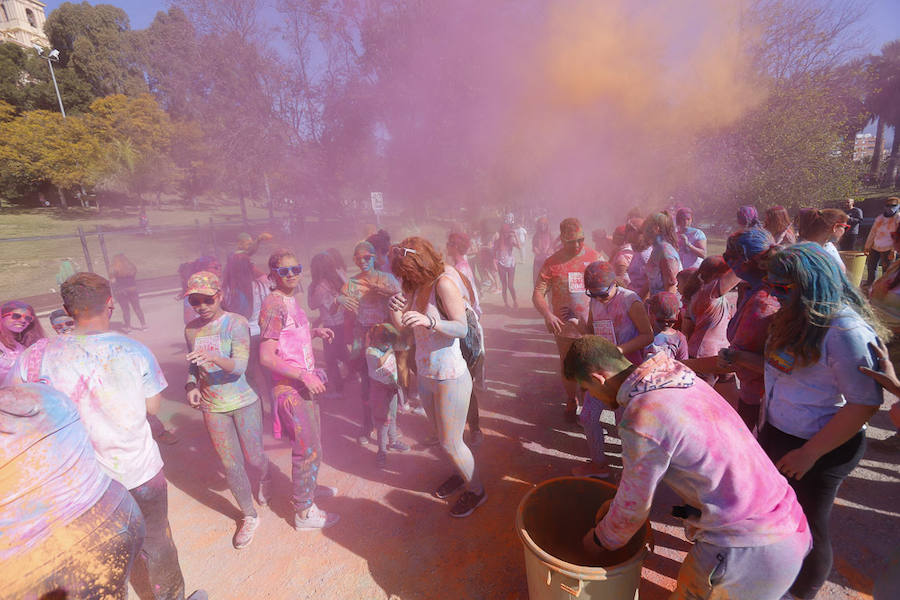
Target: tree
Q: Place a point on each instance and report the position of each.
(43, 147)
(98, 44)
(25, 82)
(136, 135)
(884, 102)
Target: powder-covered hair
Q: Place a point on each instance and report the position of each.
(712, 268)
(822, 290)
(27, 336)
(85, 294)
(592, 353)
(419, 268)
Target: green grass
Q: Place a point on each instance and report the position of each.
(29, 268)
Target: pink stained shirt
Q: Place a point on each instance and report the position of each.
(676, 428)
(711, 314)
(748, 331)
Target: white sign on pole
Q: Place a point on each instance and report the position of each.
(377, 202)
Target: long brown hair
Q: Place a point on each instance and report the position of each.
(419, 268)
(813, 222)
(660, 224)
(27, 336)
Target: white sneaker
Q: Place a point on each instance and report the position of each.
(315, 518)
(244, 534)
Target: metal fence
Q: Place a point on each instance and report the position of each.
(29, 265)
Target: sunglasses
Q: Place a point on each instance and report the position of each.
(19, 317)
(843, 226)
(781, 287)
(197, 300)
(600, 295)
(288, 271)
(69, 323)
(401, 251)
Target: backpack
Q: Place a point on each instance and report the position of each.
(472, 345)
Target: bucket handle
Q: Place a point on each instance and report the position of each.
(569, 590)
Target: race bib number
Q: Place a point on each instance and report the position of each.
(576, 282)
(211, 344)
(604, 328)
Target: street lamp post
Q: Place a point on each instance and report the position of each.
(51, 58)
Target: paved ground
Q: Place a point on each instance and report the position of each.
(395, 541)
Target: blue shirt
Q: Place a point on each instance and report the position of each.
(801, 400)
(689, 260)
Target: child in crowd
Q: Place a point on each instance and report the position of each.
(618, 315)
(61, 321)
(664, 308)
(384, 388)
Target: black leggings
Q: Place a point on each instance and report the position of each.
(816, 493)
(508, 281)
(128, 299)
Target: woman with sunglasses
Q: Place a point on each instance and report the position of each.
(745, 253)
(19, 329)
(664, 262)
(220, 350)
(825, 227)
(286, 351)
(817, 400)
(366, 296)
(432, 306)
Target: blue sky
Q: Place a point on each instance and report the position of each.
(883, 19)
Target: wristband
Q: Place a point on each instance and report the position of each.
(596, 540)
(190, 386)
(433, 322)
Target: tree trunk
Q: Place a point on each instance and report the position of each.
(62, 198)
(891, 172)
(243, 206)
(875, 165)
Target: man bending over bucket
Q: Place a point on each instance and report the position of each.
(749, 532)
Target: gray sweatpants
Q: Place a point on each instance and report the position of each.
(758, 573)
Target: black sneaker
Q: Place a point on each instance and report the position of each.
(380, 459)
(467, 503)
(449, 487)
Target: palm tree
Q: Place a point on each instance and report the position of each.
(884, 101)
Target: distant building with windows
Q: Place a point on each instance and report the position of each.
(863, 146)
(22, 23)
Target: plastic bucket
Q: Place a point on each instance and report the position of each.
(551, 521)
(856, 265)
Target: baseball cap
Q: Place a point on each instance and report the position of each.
(202, 282)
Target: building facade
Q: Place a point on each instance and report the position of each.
(22, 23)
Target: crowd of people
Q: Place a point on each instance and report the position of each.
(743, 380)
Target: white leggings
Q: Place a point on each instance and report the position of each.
(446, 402)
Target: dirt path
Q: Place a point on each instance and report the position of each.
(395, 541)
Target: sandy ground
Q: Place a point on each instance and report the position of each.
(395, 541)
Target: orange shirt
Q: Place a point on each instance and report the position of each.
(564, 278)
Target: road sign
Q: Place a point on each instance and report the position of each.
(377, 202)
